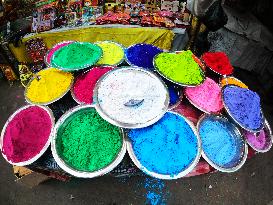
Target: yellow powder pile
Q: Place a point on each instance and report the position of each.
(113, 53)
(48, 86)
(233, 81)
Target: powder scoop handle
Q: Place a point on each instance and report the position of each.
(134, 103)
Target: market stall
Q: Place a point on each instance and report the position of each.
(127, 99)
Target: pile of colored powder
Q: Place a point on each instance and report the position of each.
(232, 81)
(86, 142)
(26, 134)
(260, 141)
(220, 141)
(174, 95)
(132, 96)
(54, 49)
(76, 55)
(166, 147)
(179, 68)
(207, 96)
(50, 85)
(142, 55)
(244, 106)
(85, 83)
(113, 53)
(218, 62)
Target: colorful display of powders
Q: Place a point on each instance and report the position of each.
(232, 81)
(142, 55)
(26, 134)
(179, 68)
(113, 53)
(244, 106)
(76, 56)
(48, 86)
(261, 141)
(50, 53)
(131, 97)
(85, 145)
(206, 97)
(222, 143)
(82, 90)
(218, 62)
(168, 149)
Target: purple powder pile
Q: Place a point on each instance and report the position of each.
(261, 141)
(244, 107)
(142, 55)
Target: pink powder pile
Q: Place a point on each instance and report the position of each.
(260, 142)
(54, 49)
(206, 96)
(84, 84)
(26, 134)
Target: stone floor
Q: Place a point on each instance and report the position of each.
(252, 184)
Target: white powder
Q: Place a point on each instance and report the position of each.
(123, 86)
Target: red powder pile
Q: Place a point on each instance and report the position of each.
(218, 62)
(84, 84)
(26, 134)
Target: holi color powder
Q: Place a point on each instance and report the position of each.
(85, 83)
(26, 134)
(222, 143)
(113, 53)
(174, 95)
(261, 141)
(244, 107)
(86, 142)
(167, 147)
(218, 62)
(53, 50)
(142, 55)
(232, 81)
(50, 85)
(156, 192)
(131, 97)
(76, 56)
(179, 68)
(207, 96)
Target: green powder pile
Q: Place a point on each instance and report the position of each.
(86, 142)
(76, 55)
(180, 68)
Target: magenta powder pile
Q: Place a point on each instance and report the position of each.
(84, 84)
(26, 134)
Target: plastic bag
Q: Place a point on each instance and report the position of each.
(215, 17)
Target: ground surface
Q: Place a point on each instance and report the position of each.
(253, 184)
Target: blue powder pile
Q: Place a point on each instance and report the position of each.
(244, 106)
(220, 142)
(174, 93)
(166, 147)
(142, 55)
(156, 192)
